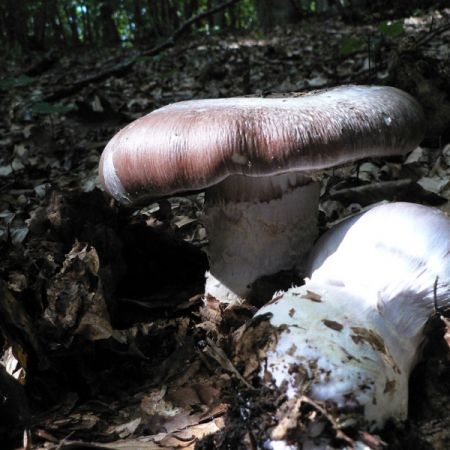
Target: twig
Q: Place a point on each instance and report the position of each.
(339, 433)
(185, 26)
(215, 352)
(432, 35)
(118, 69)
(123, 67)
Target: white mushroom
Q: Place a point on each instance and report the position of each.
(354, 332)
(254, 157)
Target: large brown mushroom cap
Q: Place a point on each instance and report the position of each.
(195, 144)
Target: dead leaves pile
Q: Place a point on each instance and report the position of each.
(100, 307)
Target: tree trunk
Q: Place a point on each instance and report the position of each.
(173, 14)
(40, 22)
(59, 33)
(190, 8)
(271, 14)
(138, 20)
(217, 19)
(3, 32)
(71, 17)
(155, 13)
(110, 35)
(86, 19)
(210, 18)
(321, 6)
(233, 14)
(15, 22)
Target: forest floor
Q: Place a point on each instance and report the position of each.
(101, 306)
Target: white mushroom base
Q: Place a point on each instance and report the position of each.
(353, 333)
(252, 238)
(333, 347)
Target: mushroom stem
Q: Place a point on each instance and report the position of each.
(257, 226)
(354, 331)
(200, 144)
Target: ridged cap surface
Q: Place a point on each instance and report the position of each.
(195, 144)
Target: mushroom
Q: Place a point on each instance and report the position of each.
(255, 157)
(354, 331)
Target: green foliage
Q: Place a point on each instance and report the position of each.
(391, 29)
(351, 45)
(312, 6)
(49, 108)
(45, 24)
(387, 28)
(10, 83)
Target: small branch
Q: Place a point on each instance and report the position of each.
(216, 353)
(118, 69)
(124, 67)
(185, 26)
(337, 429)
(433, 34)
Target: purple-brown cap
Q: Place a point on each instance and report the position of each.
(194, 144)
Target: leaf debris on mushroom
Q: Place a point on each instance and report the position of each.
(380, 276)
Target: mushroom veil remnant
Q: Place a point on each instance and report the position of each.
(356, 328)
(255, 158)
